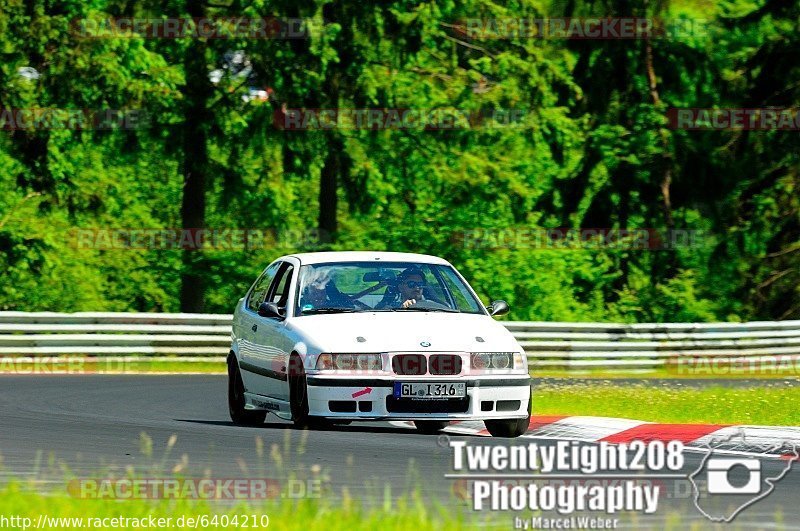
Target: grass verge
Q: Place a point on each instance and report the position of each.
(720, 372)
(55, 511)
(773, 404)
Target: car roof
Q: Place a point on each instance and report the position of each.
(366, 256)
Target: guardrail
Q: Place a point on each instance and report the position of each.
(649, 345)
(565, 345)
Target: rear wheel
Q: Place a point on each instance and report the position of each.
(430, 426)
(240, 415)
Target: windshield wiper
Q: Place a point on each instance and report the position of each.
(423, 309)
(327, 310)
(418, 309)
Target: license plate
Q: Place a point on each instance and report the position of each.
(430, 390)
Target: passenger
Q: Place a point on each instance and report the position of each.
(315, 294)
(321, 292)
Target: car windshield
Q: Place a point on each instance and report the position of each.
(388, 286)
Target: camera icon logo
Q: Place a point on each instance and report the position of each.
(724, 484)
(721, 476)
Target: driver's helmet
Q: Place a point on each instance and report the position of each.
(317, 279)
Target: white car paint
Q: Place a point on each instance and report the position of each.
(262, 347)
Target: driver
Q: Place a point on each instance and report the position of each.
(411, 285)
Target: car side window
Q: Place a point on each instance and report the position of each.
(279, 294)
(260, 288)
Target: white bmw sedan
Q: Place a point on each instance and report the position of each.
(341, 336)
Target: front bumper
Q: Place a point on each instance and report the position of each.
(500, 397)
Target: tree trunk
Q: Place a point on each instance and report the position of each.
(330, 176)
(328, 198)
(195, 165)
(666, 158)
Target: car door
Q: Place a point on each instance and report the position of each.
(272, 338)
(246, 328)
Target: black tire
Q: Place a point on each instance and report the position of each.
(298, 399)
(298, 392)
(510, 428)
(240, 415)
(430, 426)
(507, 428)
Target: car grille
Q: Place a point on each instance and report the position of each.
(418, 364)
(414, 405)
(445, 364)
(409, 364)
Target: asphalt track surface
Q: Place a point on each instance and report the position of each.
(92, 425)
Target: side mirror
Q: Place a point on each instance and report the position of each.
(269, 309)
(498, 308)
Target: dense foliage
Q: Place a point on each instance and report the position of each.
(589, 147)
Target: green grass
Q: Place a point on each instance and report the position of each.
(302, 514)
(703, 373)
(771, 404)
(145, 367)
(51, 490)
(411, 513)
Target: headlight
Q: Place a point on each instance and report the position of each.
(344, 362)
(495, 360)
(481, 360)
(349, 362)
(501, 360)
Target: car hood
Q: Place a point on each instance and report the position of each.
(403, 331)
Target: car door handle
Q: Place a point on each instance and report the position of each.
(255, 327)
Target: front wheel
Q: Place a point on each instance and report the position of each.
(507, 428)
(240, 415)
(430, 426)
(298, 399)
(298, 392)
(510, 427)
